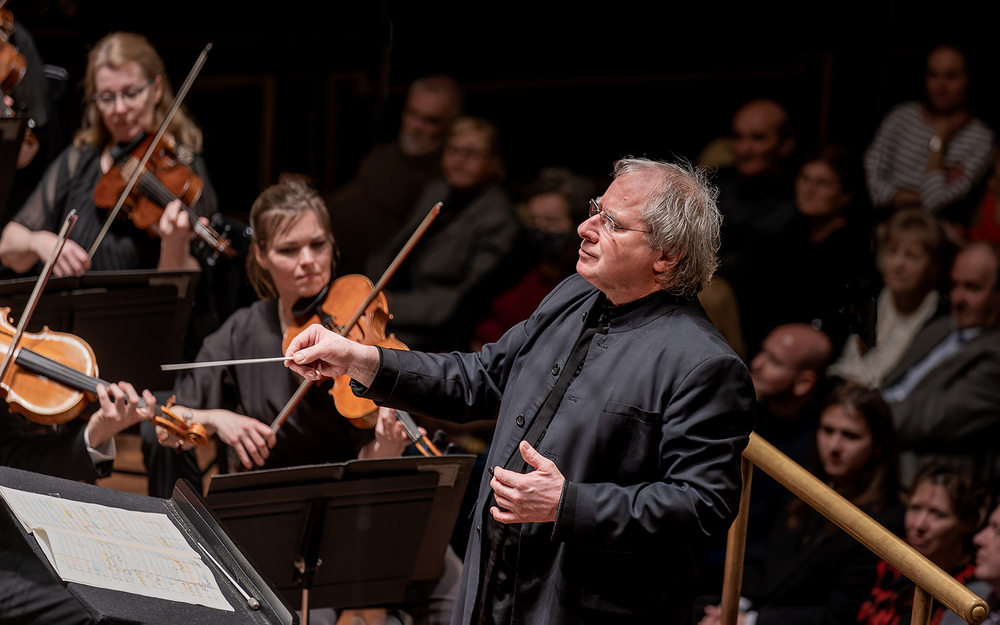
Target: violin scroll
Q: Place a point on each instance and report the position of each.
(183, 429)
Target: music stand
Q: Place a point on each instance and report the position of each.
(11, 135)
(351, 534)
(134, 320)
(23, 558)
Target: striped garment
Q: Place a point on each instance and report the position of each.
(897, 159)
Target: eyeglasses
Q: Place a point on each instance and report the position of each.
(107, 101)
(609, 224)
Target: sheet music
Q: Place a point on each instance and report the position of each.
(141, 553)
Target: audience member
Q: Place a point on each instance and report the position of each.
(557, 202)
(931, 154)
(909, 260)
(945, 390)
(787, 376)
(788, 379)
(946, 508)
(474, 232)
(987, 543)
(814, 572)
(823, 267)
(391, 176)
(756, 203)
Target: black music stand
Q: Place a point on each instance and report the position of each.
(351, 534)
(135, 321)
(11, 135)
(23, 559)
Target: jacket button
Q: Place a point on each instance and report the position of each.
(555, 369)
(519, 420)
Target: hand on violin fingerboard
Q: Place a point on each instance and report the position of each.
(119, 411)
(319, 353)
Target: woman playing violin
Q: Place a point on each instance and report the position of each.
(292, 258)
(126, 94)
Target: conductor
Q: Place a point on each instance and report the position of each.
(622, 414)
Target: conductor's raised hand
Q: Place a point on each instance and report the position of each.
(527, 497)
(319, 353)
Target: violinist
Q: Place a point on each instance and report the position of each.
(126, 94)
(292, 258)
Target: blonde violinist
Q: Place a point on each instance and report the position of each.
(126, 95)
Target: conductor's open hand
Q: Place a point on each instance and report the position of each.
(528, 497)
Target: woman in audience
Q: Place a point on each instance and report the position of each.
(909, 259)
(933, 154)
(824, 260)
(474, 232)
(816, 573)
(945, 510)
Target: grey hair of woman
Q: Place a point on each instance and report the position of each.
(684, 219)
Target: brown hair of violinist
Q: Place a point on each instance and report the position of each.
(274, 213)
(115, 51)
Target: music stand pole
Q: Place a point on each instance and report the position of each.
(308, 559)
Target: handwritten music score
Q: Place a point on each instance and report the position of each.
(137, 552)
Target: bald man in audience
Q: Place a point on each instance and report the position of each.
(788, 378)
(755, 198)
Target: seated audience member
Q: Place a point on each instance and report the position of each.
(946, 508)
(557, 202)
(945, 390)
(823, 263)
(987, 543)
(814, 572)
(76, 450)
(755, 198)
(909, 261)
(474, 232)
(787, 376)
(392, 175)
(931, 154)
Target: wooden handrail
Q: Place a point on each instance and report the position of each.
(886, 545)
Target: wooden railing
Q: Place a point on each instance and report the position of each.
(931, 581)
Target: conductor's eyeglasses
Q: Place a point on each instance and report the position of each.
(606, 220)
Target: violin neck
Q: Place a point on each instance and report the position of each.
(55, 370)
(67, 376)
(152, 188)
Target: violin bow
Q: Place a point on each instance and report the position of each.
(386, 275)
(36, 293)
(181, 93)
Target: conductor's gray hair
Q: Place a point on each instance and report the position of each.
(684, 220)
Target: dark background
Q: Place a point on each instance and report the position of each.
(310, 86)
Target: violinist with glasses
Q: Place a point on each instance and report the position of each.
(127, 95)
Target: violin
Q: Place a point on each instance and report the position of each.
(333, 308)
(53, 378)
(163, 180)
